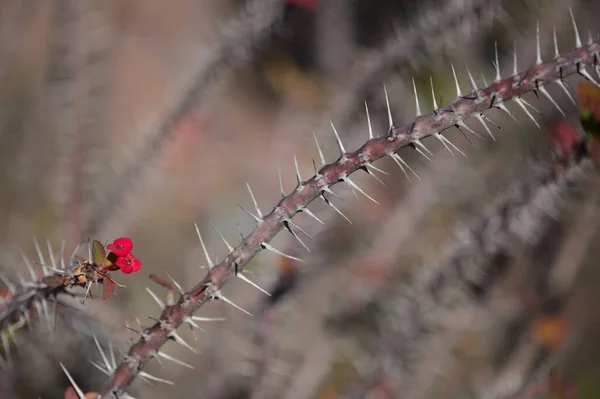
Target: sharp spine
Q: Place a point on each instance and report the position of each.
(487, 129)
(369, 122)
(519, 101)
(253, 216)
(73, 383)
(335, 208)
(220, 296)
(543, 90)
(577, 38)
(353, 185)
(418, 107)
(516, 69)
(174, 360)
(210, 264)
(458, 93)
(538, 49)
(278, 252)
(173, 335)
(258, 212)
(339, 140)
(497, 63)
(156, 298)
(321, 156)
(252, 283)
(389, 111)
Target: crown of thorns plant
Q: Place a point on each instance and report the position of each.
(572, 151)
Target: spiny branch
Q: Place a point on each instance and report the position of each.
(464, 107)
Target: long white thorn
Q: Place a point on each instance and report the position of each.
(480, 119)
(102, 354)
(78, 390)
(252, 283)
(293, 233)
(29, 265)
(321, 156)
(209, 262)
(144, 374)
(556, 51)
(458, 93)
(174, 360)
(402, 163)
(53, 261)
(435, 105)
(389, 110)
(417, 144)
(180, 341)
(515, 69)
(291, 222)
(472, 81)
(497, 63)
(583, 72)
(339, 141)
(519, 101)
(278, 252)
(577, 38)
(298, 177)
(485, 83)
(503, 107)
(352, 184)
(62, 255)
(280, 182)
(156, 298)
(39, 251)
(418, 107)
(200, 318)
(312, 215)
(229, 247)
(111, 350)
(369, 122)
(258, 212)
(444, 139)
(176, 284)
(538, 49)
(335, 208)
(228, 301)
(253, 216)
(531, 106)
(543, 90)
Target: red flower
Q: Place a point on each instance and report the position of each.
(128, 263)
(121, 246)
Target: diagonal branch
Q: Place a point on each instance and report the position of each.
(463, 108)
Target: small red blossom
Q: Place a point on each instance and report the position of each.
(121, 246)
(128, 263)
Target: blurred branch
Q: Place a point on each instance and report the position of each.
(242, 37)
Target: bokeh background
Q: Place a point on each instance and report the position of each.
(140, 118)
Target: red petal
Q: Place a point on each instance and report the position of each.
(127, 269)
(121, 246)
(136, 264)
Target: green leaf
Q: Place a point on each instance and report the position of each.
(98, 252)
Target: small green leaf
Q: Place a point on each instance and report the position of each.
(98, 252)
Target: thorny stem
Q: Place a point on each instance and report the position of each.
(423, 126)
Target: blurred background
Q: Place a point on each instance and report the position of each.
(140, 118)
